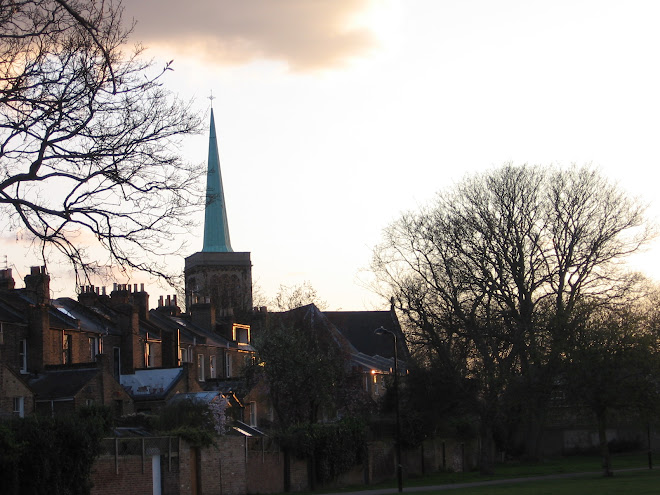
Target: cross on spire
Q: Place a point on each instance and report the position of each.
(211, 98)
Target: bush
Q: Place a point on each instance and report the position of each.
(198, 423)
(51, 455)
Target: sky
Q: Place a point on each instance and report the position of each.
(335, 116)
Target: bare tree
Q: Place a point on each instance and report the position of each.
(296, 296)
(489, 276)
(612, 367)
(89, 137)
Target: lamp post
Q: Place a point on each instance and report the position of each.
(399, 471)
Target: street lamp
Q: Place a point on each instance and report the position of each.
(399, 473)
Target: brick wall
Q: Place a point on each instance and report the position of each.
(10, 387)
(225, 470)
(265, 472)
(12, 335)
(222, 469)
(131, 472)
(130, 480)
(233, 465)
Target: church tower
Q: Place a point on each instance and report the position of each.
(218, 280)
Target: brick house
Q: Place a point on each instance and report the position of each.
(107, 349)
(49, 358)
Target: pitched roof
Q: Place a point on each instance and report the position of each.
(151, 383)
(354, 332)
(15, 306)
(189, 332)
(91, 320)
(61, 384)
(358, 328)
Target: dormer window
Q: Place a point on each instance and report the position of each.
(241, 334)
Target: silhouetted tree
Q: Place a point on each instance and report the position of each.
(613, 365)
(302, 365)
(89, 153)
(489, 276)
(292, 297)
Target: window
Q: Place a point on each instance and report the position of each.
(185, 354)
(89, 402)
(253, 414)
(376, 390)
(66, 348)
(241, 333)
(94, 348)
(19, 406)
(22, 355)
(148, 356)
(200, 367)
(212, 367)
(2, 334)
(227, 365)
(116, 362)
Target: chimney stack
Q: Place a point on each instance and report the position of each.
(6, 279)
(38, 283)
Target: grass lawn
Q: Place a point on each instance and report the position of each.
(630, 482)
(641, 481)
(559, 465)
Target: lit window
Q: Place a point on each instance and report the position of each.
(241, 334)
(148, 356)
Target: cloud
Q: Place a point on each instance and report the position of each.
(306, 34)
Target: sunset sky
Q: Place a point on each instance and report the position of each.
(334, 116)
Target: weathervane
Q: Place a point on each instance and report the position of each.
(211, 98)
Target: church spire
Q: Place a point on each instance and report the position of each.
(216, 228)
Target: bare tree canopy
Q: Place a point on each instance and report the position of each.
(88, 137)
(494, 275)
(296, 296)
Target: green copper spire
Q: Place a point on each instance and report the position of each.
(216, 228)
